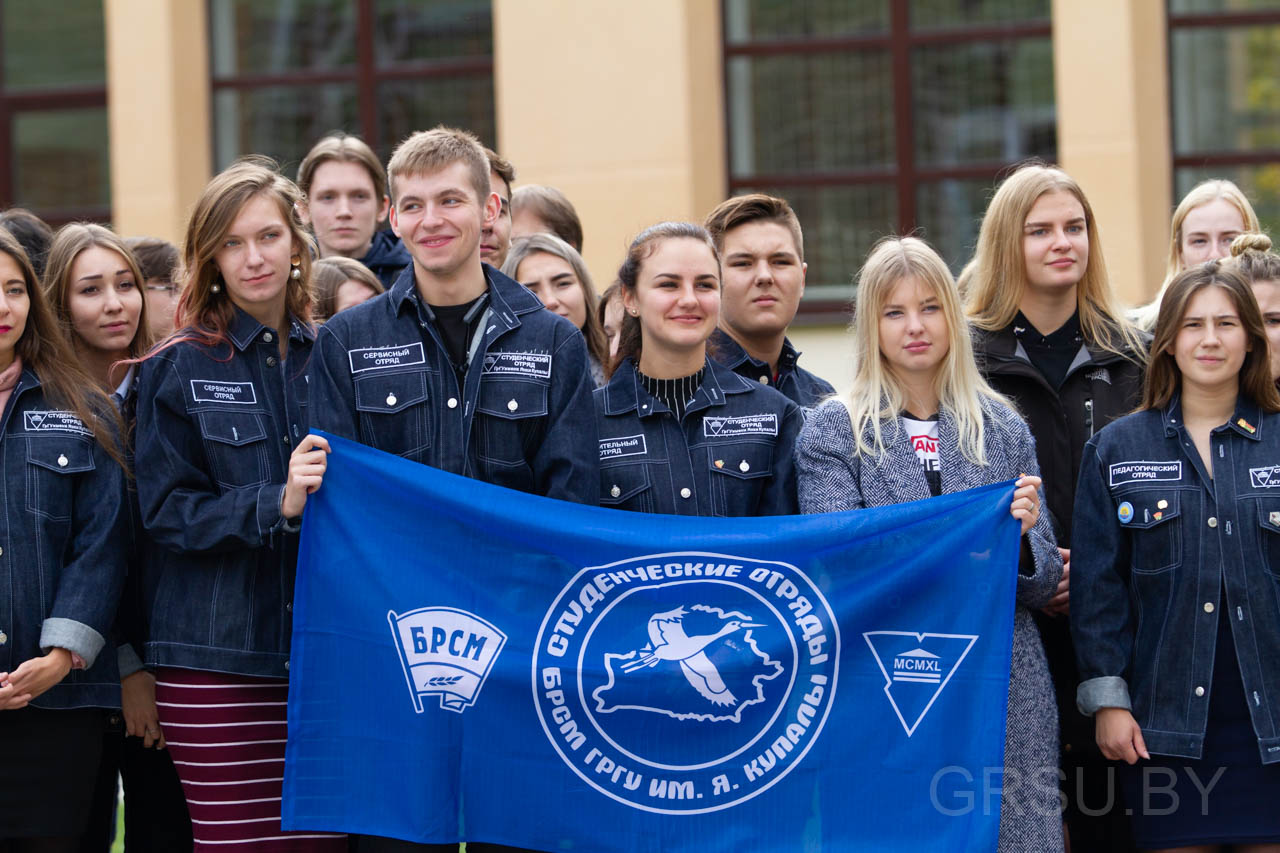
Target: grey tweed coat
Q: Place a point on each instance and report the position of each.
(831, 478)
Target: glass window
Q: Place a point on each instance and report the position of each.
(763, 20)
(282, 122)
(815, 114)
(820, 113)
(1179, 7)
(940, 14)
(45, 48)
(416, 30)
(61, 161)
(287, 72)
(253, 37)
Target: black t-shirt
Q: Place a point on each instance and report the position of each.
(455, 331)
(1051, 354)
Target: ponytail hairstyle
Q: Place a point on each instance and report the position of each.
(68, 243)
(1163, 376)
(644, 245)
(876, 396)
(204, 315)
(994, 281)
(47, 352)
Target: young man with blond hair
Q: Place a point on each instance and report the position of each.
(762, 279)
(457, 366)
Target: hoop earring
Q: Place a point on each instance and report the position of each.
(296, 272)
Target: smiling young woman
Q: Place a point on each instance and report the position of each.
(664, 391)
(1174, 601)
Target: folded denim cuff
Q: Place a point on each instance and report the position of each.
(128, 661)
(73, 636)
(270, 521)
(1108, 691)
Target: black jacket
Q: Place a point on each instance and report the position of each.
(386, 257)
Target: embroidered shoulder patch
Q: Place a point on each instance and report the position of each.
(1145, 472)
(627, 445)
(214, 391)
(761, 424)
(507, 363)
(53, 421)
(385, 358)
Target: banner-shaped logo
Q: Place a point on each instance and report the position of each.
(445, 651)
(581, 678)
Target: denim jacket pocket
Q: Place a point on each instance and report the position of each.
(1152, 517)
(505, 407)
(1269, 534)
(236, 442)
(393, 411)
(626, 487)
(737, 473)
(50, 459)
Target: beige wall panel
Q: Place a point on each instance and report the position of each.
(1111, 76)
(158, 113)
(617, 103)
(826, 351)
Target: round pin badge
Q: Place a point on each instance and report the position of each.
(1125, 513)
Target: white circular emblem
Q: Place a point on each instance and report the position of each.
(686, 683)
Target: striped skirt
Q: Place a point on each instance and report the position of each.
(226, 734)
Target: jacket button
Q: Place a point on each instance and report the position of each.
(685, 493)
(512, 405)
(615, 491)
(764, 380)
(286, 666)
(1208, 607)
(452, 403)
(285, 439)
(744, 466)
(266, 336)
(1199, 691)
(1, 552)
(391, 399)
(62, 461)
(289, 606)
(1213, 522)
(271, 361)
(4, 638)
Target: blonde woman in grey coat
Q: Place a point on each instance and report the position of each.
(919, 422)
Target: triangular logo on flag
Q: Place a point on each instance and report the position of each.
(916, 668)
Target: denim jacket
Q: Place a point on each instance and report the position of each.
(1155, 543)
(796, 384)
(62, 549)
(214, 433)
(731, 455)
(522, 418)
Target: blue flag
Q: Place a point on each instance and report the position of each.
(474, 663)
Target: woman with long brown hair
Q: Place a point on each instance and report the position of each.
(225, 464)
(62, 561)
(1175, 603)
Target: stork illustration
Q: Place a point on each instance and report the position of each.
(669, 642)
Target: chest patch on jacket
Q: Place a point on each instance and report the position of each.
(627, 445)
(1099, 375)
(1267, 477)
(53, 421)
(536, 364)
(762, 424)
(385, 358)
(213, 391)
(1145, 472)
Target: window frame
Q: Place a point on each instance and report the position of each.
(905, 176)
(364, 73)
(46, 99)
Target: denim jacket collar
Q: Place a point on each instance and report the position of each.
(507, 298)
(1246, 420)
(244, 329)
(624, 393)
(732, 354)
